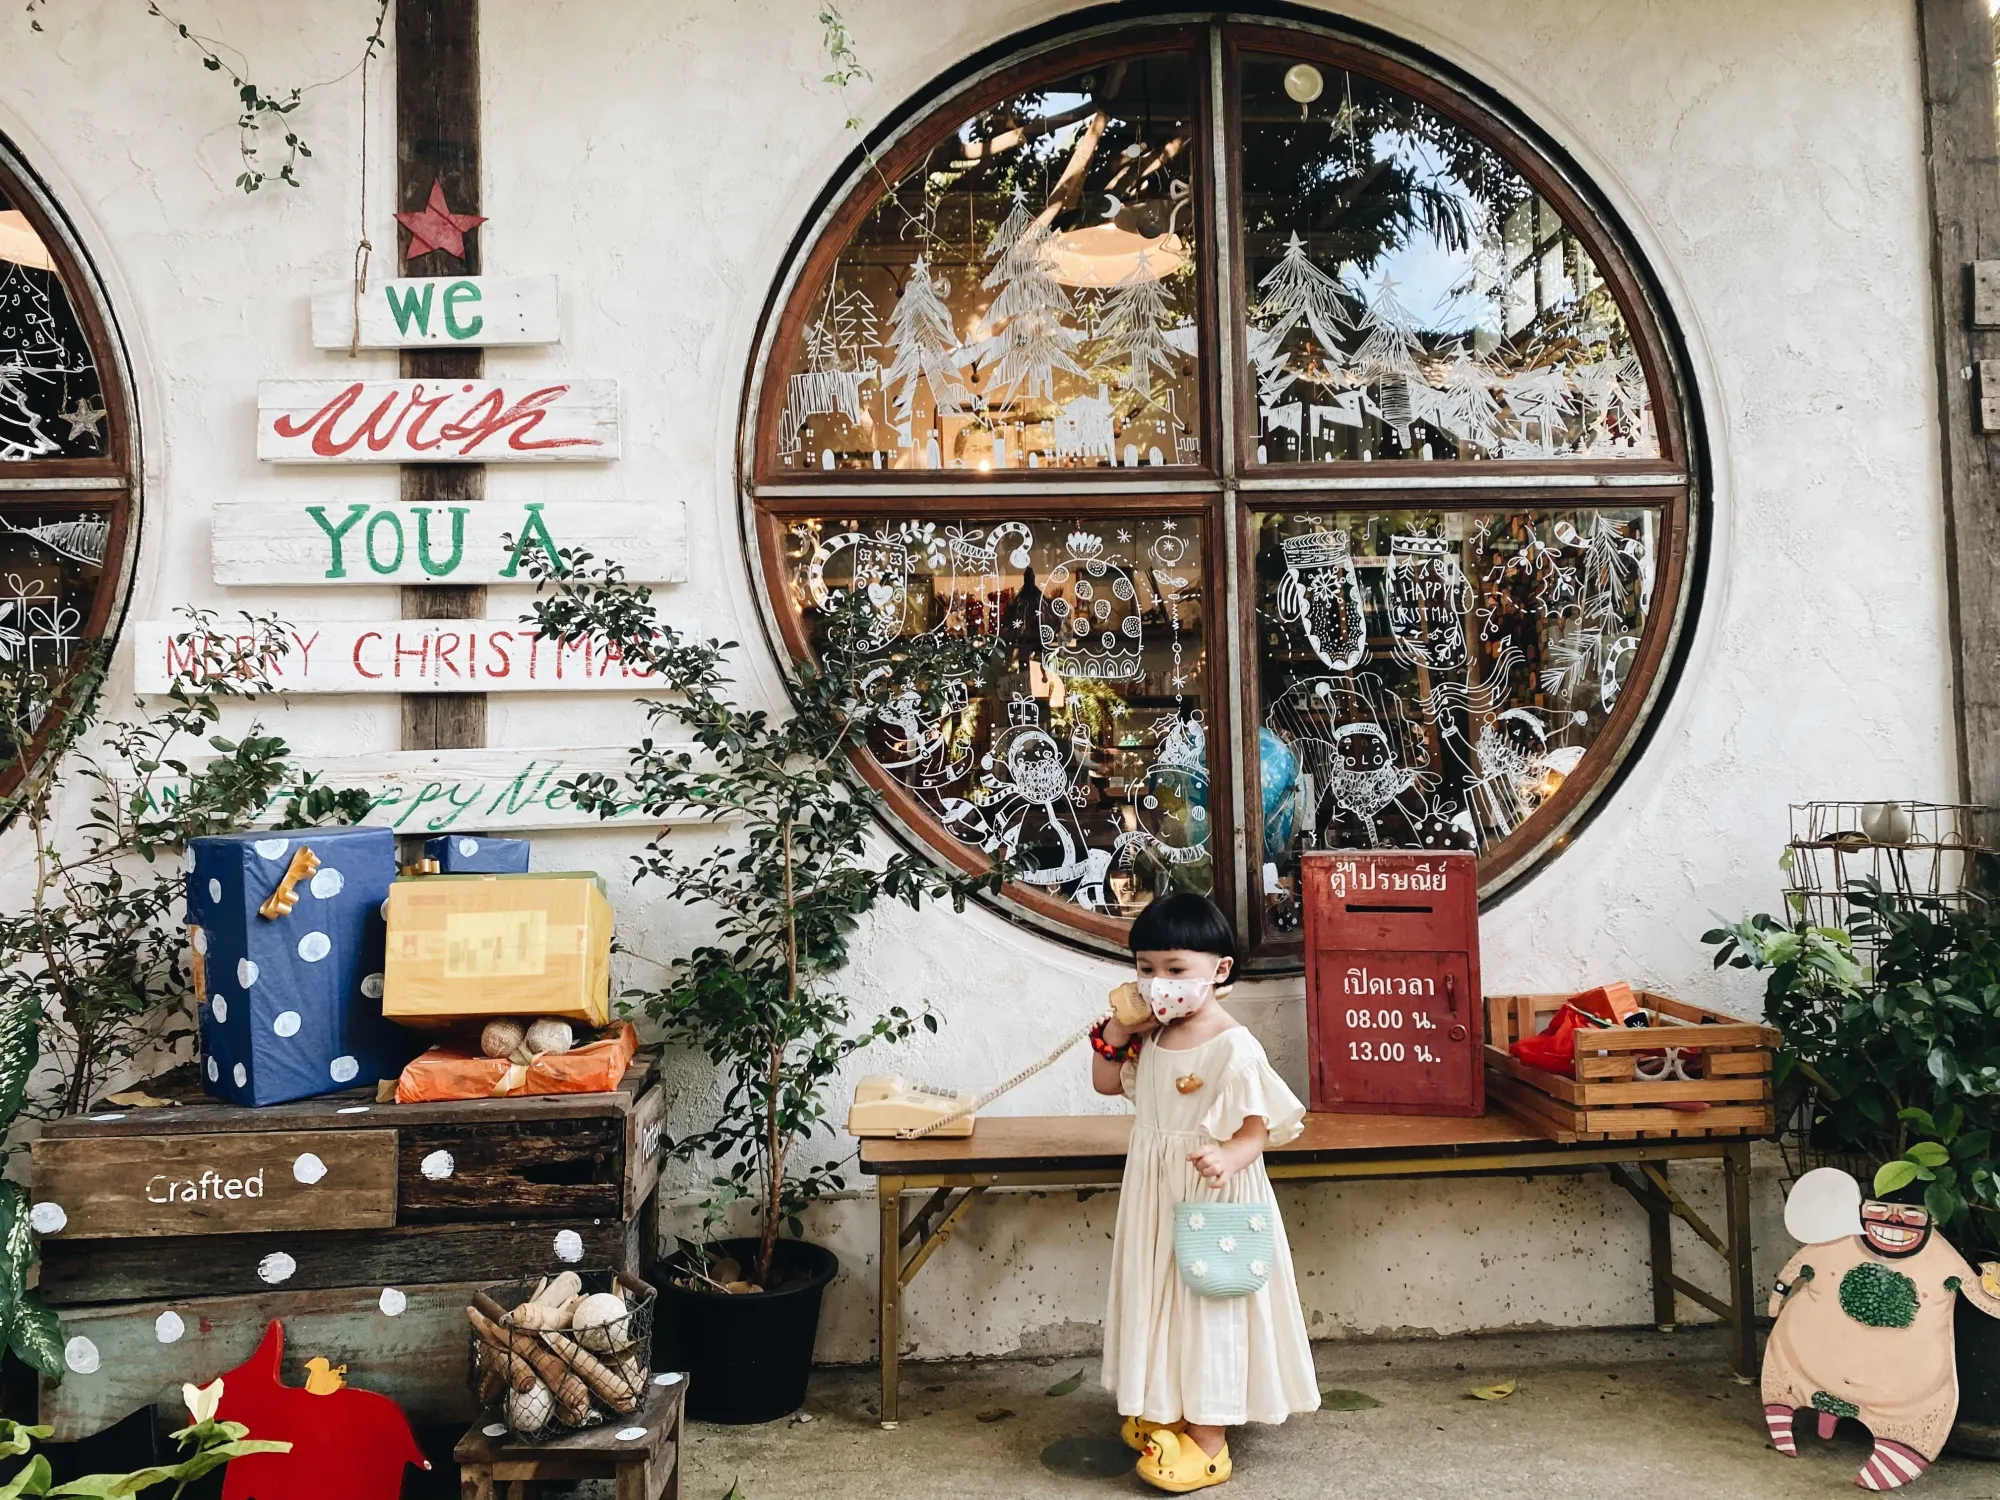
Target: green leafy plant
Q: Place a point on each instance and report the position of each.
(762, 1000)
(207, 1444)
(1954, 1165)
(96, 975)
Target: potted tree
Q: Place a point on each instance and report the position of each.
(1896, 1065)
(762, 1000)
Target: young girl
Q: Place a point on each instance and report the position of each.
(1184, 1366)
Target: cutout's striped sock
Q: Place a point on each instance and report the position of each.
(1779, 1420)
(1890, 1466)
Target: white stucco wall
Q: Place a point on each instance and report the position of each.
(1767, 159)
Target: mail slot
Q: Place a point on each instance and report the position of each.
(1393, 1009)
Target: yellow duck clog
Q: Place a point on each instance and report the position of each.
(1137, 1429)
(1175, 1463)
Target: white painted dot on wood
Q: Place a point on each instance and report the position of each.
(328, 883)
(630, 1434)
(308, 1168)
(667, 1377)
(314, 946)
(286, 1023)
(276, 1267)
(199, 938)
(569, 1246)
(343, 1069)
(215, 890)
(246, 973)
(242, 1076)
(218, 1006)
(495, 1429)
(271, 848)
(371, 987)
(47, 1217)
(80, 1354)
(437, 1166)
(214, 1073)
(117, 1116)
(393, 1301)
(352, 1109)
(468, 847)
(168, 1327)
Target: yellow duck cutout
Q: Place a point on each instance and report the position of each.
(323, 1379)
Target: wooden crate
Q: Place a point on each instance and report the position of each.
(364, 1226)
(1607, 1100)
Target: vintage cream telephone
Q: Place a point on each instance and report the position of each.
(890, 1105)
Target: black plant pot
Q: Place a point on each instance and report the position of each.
(1977, 1431)
(747, 1355)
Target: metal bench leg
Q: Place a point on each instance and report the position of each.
(1742, 1275)
(889, 1272)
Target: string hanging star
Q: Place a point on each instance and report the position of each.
(436, 227)
(84, 418)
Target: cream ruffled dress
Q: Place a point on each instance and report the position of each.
(1168, 1353)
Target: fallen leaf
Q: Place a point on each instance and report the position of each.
(1498, 1392)
(1339, 1400)
(140, 1099)
(1064, 1387)
(991, 1414)
(735, 1490)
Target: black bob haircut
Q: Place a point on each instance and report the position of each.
(1183, 920)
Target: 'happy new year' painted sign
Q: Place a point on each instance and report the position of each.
(480, 421)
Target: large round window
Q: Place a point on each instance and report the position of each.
(65, 462)
(1304, 435)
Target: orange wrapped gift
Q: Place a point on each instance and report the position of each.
(456, 1073)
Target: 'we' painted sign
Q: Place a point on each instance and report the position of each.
(262, 542)
(417, 312)
(437, 421)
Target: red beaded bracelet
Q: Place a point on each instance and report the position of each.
(1108, 1052)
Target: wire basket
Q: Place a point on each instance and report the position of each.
(1924, 850)
(542, 1374)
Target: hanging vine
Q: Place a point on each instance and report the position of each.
(258, 108)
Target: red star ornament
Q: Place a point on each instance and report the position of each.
(436, 227)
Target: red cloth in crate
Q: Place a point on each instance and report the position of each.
(455, 1073)
(1550, 1049)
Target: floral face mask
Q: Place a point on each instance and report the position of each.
(1171, 998)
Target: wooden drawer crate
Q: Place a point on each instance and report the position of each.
(1607, 1100)
(171, 1237)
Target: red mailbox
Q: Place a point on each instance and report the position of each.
(1393, 1009)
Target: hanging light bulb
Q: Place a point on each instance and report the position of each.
(1303, 84)
(20, 244)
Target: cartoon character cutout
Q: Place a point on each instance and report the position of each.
(1321, 594)
(1864, 1316)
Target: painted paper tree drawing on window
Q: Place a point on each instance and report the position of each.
(51, 405)
(1082, 752)
(1023, 298)
(1411, 296)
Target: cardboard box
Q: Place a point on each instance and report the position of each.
(467, 946)
(291, 1003)
(465, 854)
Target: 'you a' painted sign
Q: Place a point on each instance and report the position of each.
(416, 312)
(356, 542)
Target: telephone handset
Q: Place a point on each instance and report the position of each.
(1128, 1007)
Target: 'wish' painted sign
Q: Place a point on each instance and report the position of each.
(416, 312)
(261, 542)
(436, 421)
(394, 656)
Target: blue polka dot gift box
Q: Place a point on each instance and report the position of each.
(468, 854)
(287, 934)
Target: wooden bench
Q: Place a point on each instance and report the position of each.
(638, 1455)
(1041, 1151)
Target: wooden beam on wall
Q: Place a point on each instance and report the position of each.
(1962, 157)
(437, 140)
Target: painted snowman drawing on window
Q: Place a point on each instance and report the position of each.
(1864, 1326)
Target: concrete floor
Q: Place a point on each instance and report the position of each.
(1596, 1416)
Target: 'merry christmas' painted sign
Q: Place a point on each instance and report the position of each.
(478, 421)
(456, 311)
(394, 656)
(354, 542)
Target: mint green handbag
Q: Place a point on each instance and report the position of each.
(1224, 1249)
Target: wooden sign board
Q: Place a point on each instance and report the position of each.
(416, 312)
(477, 421)
(243, 1183)
(354, 542)
(395, 656)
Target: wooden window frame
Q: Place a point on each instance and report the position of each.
(1228, 486)
(107, 484)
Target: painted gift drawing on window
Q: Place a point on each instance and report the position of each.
(51, 405)
(1409, 294)
(1024, 297)
(1474, 660)
(1082, 749)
